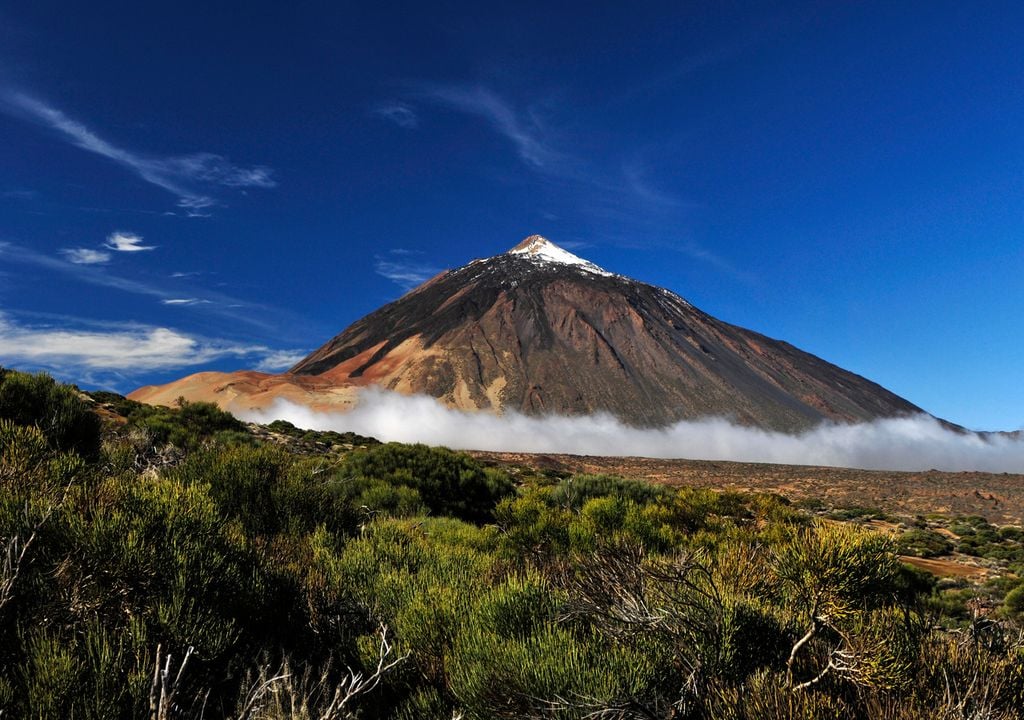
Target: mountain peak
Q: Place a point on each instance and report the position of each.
(540, 249)
(538, 331)
(531, 243)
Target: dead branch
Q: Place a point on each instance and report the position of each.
(163, 692)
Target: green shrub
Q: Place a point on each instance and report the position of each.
(188, 425)
(1014, 601)
(588, 597)
(923, 544)
(552, 672)
(449, 483)
(59, 411)
(242, 481)
(532, 527)
(575, 491)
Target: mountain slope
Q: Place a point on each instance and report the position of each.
(539, 330)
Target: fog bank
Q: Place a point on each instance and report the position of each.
(913, 443)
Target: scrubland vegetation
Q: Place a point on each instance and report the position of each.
(172, 563)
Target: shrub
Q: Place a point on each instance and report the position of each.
(242, 481)
(575, 491)
(923, 543)
(1014, 601)
(188, 425)
(449, 483)
(59, 411)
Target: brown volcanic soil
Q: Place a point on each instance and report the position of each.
(997, 497)
(248, 389)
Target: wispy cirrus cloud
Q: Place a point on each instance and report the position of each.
(188, 177)
(184, 301)
(279, 360)
(18, 195)
(254, 314)
(524, 130)
(124, 348)
(126, 242)
(87, 273)
(399, 113)
(616, 188)
(85, 256)
(402, 268)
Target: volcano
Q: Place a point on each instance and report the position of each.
(539, 330)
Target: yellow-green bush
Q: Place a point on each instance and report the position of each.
(582, 597)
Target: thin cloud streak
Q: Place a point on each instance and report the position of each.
(181, 176)
(407, 274)
(910, 443)
(135, 349)
(624, 195)
(253, 314)
(398, 113)
(184, 301)
(85, 256)
(280, 360)
(24, 195)
(525, 133)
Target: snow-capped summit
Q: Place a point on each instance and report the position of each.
(538, 247)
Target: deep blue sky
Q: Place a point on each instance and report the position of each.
(844, 176)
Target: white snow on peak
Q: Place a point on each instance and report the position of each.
(543, 250)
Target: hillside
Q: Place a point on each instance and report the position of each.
(540, 331)
(177, 563)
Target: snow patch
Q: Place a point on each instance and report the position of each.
(540, 249)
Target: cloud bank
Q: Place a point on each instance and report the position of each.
(912, 443)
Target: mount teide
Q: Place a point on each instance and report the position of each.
(539, 330)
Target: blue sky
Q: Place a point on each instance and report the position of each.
(222, 185)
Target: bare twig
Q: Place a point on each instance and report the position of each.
(164, 691)
(318, 698)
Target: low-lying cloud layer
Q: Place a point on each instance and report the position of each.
(914, 443)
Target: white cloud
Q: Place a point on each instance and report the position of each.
(184, 301)
(398, 113)
(86, 256)
(268, 318)
(19, 194)
(122, 348)
(912, 443)
(184, 176)
(619, 194)
(126, 242)
(280, 360)
(523, 130)
(405, 273)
